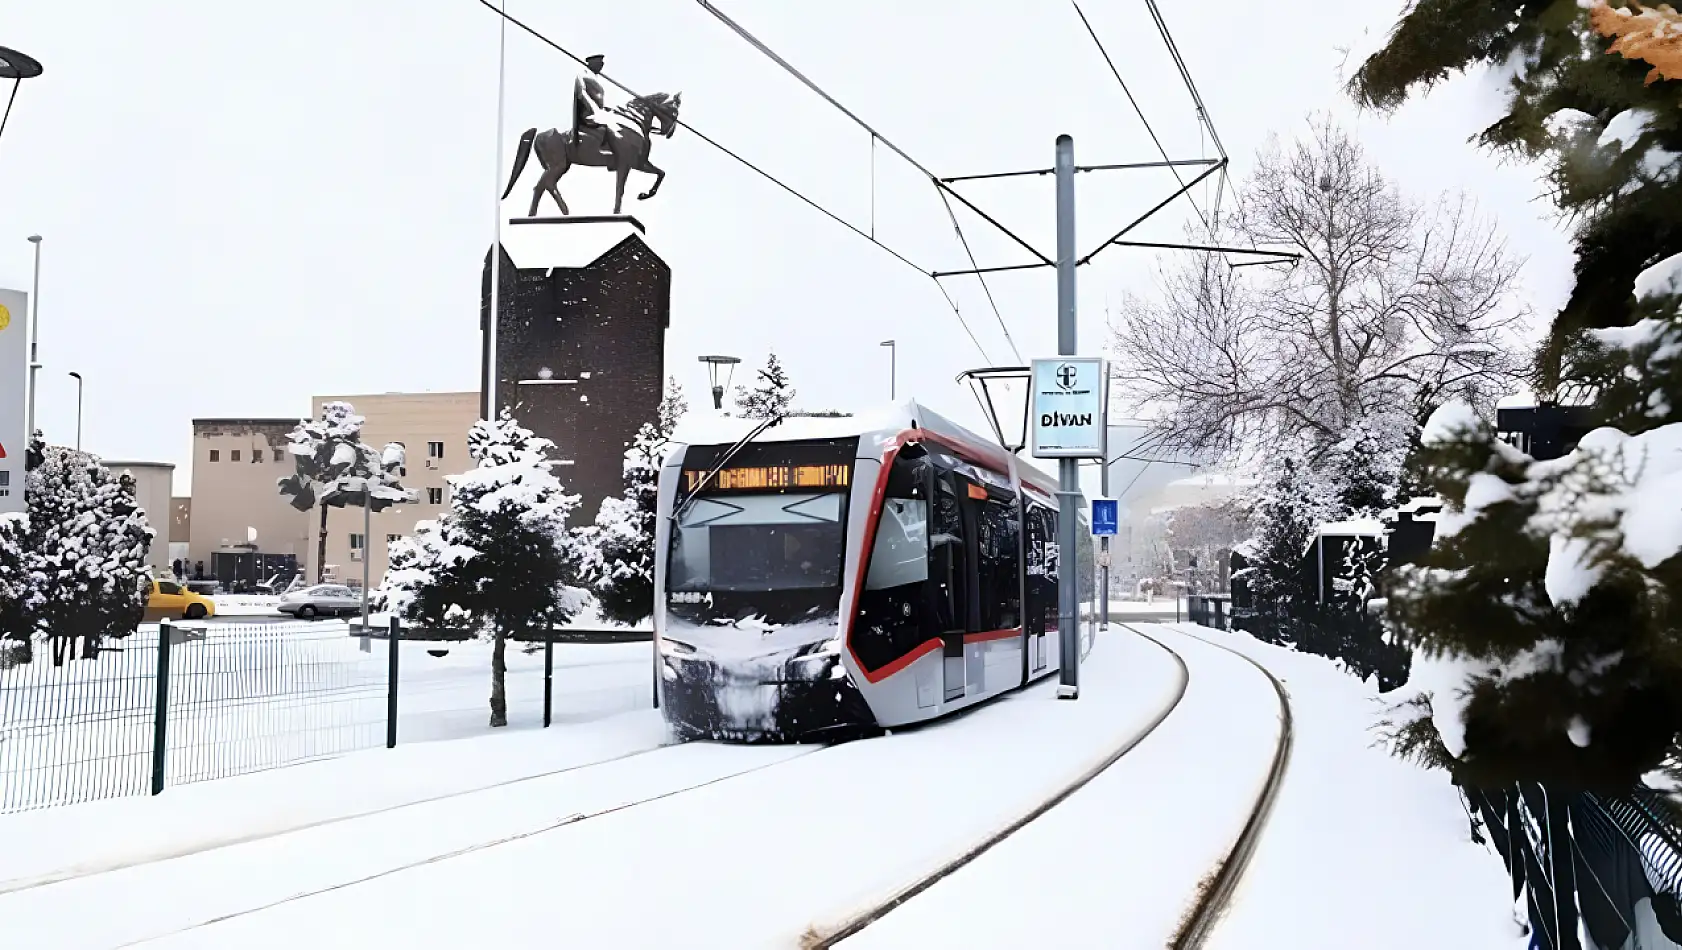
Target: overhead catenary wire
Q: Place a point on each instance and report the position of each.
(981, 278)
(739, 159)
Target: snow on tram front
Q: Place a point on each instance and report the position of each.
(807, 587)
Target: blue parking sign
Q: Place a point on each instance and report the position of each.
(1106, 515)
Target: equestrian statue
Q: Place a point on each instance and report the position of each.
(618, 139)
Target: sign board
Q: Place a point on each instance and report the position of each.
(1066, 408)
(1106, 517)
(14, 417)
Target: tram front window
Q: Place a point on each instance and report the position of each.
(759, 542)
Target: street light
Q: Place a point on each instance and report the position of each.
(713, 364)
(34, 333)
(17, 67)
(893, 372)
(78, 377)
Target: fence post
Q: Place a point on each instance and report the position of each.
(160, 714)
(548, 673)
(394, 637)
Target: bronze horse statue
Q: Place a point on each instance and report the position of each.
(625, 149)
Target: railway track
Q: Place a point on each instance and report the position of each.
(1217, 887)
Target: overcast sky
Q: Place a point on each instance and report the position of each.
(247, 205)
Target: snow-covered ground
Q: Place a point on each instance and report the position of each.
(713, 845)
(798, 835)
(247, 698)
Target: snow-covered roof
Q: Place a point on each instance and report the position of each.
(1360, 527)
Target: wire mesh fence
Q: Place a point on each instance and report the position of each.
(236, 698)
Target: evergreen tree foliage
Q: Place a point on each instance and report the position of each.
(770, 397)
(616, 553)
(1286, 510)
(86, 548)
(19, 590)
(498, 561)
(329, 460)
(1545, 619)
(1609, 137)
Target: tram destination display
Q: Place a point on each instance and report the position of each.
(771, 477)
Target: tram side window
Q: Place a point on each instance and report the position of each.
(893, 604)
(900, 555)
(1001, 592)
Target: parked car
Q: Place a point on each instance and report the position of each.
(321, 600)
(169, 600)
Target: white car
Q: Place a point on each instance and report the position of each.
(321, 600)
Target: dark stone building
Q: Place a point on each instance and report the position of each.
(581, 358)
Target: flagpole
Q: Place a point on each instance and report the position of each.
(496, 208)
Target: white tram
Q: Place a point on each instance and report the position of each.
(832, 576)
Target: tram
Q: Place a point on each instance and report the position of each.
(821, 578)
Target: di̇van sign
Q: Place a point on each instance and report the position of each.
(14, 362)
(1067, 408)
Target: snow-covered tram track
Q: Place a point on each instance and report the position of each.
(1217, 888)
(829, 937)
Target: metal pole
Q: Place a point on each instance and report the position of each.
(78, 410)
(1104, 491)
(1068, 470)
(160, 713)
(495, 316)
(367, 545)
(893, 371)
(548, 675)
(34, 334)
(393, 639)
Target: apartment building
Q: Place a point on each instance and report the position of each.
(432, 428)
(235, 504)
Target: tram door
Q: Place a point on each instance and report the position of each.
(951, 562)
(1039, 611)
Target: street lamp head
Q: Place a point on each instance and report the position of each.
(77, 375)
(35, 239)
(886, 343)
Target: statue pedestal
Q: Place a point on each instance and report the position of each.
(584, 302)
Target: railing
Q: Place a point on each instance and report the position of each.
(1592, 872)
(1209, 611)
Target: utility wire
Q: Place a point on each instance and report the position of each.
(540, 37)
(875, 137)
(1185, 74)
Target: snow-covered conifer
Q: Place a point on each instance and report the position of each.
(19, 590)
(616, 553)
(770, 397)
(498, 561)
(329, 457)
(87, 546)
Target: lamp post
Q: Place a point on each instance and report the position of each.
(78, 378)
(713, 365)
(893, 370)
(17, 67)
(34, 334)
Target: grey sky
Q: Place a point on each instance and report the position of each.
(246, 208)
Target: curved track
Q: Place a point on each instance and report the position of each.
(1215, 895)
(869, 915)
(1217, 887)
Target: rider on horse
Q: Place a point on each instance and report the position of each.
(589, 108)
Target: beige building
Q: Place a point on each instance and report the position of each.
(152, 482)
(235, 505)
(432, 428)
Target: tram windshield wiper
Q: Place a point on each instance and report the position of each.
(730, 453)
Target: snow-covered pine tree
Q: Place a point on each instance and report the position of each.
(19, 591)
(770, 397)
(498, 561)
(327, 455)
(1286, 511)
(1546, 617)
(87, 545)
(616, 553)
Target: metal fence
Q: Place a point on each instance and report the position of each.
(177, 704)
(1591, 872)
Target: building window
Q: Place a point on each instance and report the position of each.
(215, 456)
(356, 542)
(233, 456)
(435, 496)
(434, 450)
(256, 455)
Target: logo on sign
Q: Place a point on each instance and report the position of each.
(5, 318)
(1066, 375)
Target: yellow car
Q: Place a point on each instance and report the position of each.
(168, 600)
